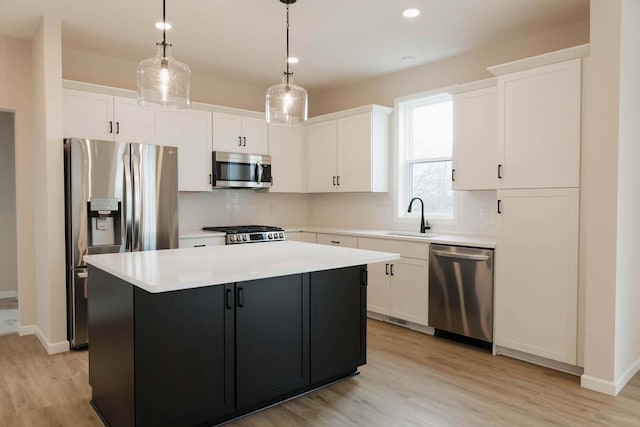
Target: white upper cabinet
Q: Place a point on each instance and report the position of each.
(322, 150)
(287, 159)
(134, 123)
(87, 115)
(240, 134)
(475, 140)
(190, 131)
(539, 127)
(536, 276)
(349, 153)
(113, 118)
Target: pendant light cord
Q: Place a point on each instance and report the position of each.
(287, 73)
(164, 29)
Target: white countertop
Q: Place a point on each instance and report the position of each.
(176, 269)
(478, 241)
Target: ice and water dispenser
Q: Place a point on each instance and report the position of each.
(104, 222)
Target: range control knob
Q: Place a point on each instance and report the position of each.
(282, 235)
(270, 236)
(232, 238)
(244, 237)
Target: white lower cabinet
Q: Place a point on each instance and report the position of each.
(400, 288)
(337, 240)
(293, 235)
(308, 237)
(536, 276)
(197, 242)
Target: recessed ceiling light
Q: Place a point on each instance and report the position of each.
(293, 60)
(163, 26)
(411, 13)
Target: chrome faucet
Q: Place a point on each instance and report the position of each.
(424, 225)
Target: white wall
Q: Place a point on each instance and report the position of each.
(51, 324)
(459, 69)
(121, 73)
(241, 207)
(627, 321)
(8, 231)
(611, 203)
(15, 95)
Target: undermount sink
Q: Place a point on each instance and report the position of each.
(408, 234)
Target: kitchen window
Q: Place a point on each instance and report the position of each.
(425, 148)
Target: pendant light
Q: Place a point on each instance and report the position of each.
(286, 103)
(163, 80)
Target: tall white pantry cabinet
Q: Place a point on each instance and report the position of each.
(538, 172)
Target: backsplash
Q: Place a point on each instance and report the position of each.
(375, 210)
(242, 207)
(355, 210)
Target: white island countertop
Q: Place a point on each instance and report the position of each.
(176, 269)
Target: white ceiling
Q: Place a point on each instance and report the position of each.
(337, 41)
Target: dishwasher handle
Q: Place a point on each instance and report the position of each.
(469, 257)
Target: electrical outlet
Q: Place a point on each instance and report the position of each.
(484, 215)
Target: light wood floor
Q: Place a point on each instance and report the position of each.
(411, 379)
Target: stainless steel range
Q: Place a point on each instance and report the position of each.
(249, 233)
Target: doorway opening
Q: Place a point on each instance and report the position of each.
(8, 231)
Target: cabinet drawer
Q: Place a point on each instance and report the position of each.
(202, 241)
(405, 249)
(338, 240)
(308, 237)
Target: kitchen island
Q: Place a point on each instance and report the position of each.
(199, 336)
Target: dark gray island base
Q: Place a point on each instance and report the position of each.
(207, 355)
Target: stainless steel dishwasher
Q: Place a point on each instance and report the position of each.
(461, 291)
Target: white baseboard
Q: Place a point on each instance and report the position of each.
(51, 348)
(598, 384)
(26, 330)
(399, 322)
(610, 387)
(626, 377)
(8, 294)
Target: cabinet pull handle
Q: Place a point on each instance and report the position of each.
(245, 141)
(239, 141)
(338, 180)
(110, 126)
(229, 302)
(386, 269)
(499, 206)
(334, 180)
(335, 242)
(209, 179)
(117, 128)
(240, 297)
(453, 174)
(499, 171)
(199, 246)
(392, 269)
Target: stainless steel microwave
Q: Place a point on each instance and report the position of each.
(240, 170)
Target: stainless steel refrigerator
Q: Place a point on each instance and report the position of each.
(118, 198)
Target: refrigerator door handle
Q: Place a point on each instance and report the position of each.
(128, 202)
(137, 200)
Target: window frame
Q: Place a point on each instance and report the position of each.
(402, 171)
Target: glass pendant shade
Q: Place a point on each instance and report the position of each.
(163, 80)
(286, 103)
